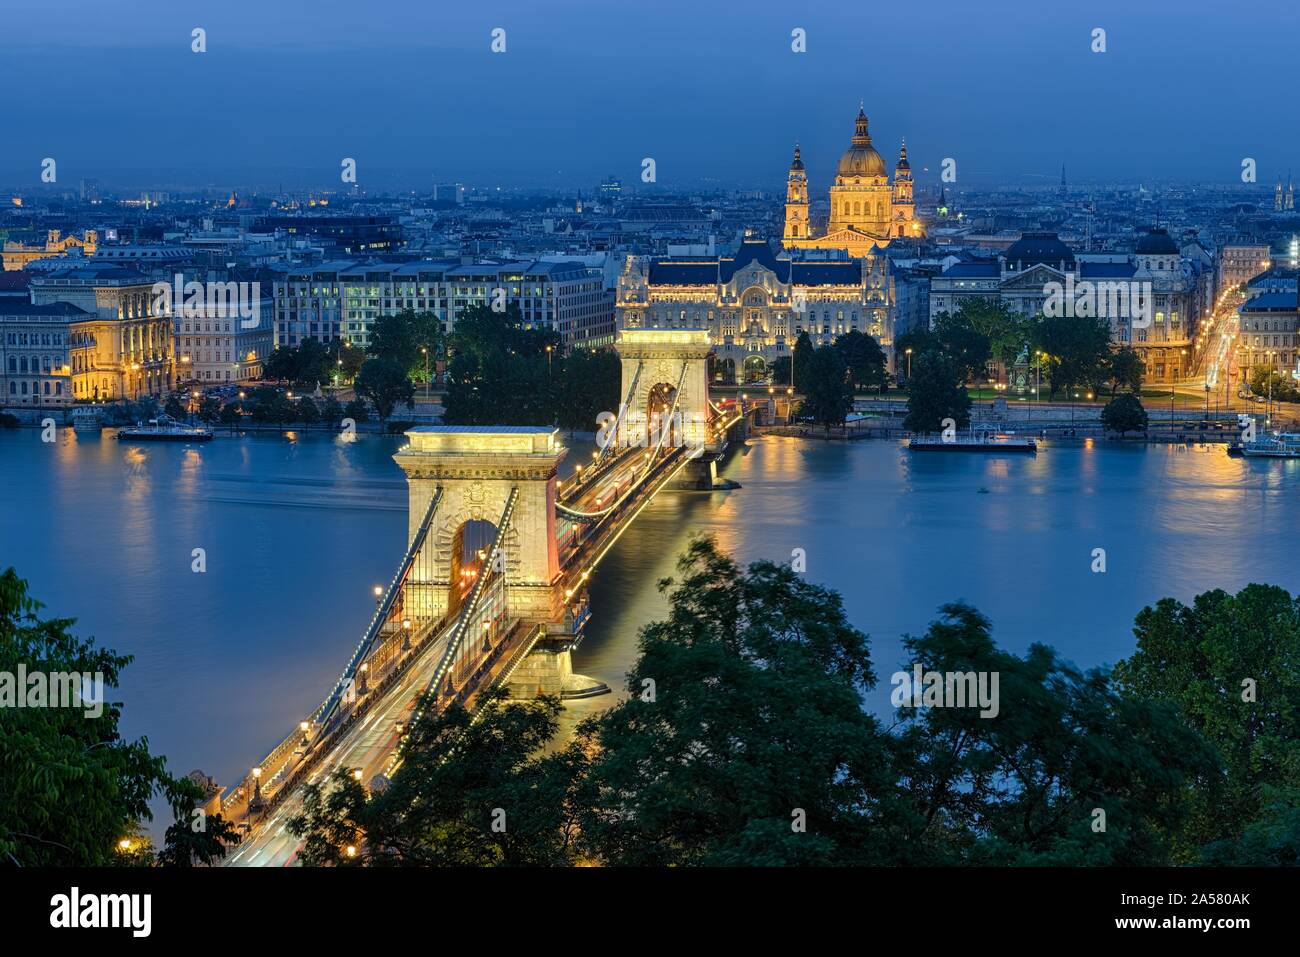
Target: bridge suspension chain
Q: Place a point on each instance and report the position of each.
(468, 613)
(276, 759)
(654, 453)
(415, 549)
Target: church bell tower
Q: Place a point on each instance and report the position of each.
(796, 200)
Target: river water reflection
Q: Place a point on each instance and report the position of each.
(296, 532)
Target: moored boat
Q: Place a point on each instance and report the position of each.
(165, 429)
(972, 441)
(1278, 445)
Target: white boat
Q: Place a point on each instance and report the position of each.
(165, 429)
(972, 441)
(1279, 445)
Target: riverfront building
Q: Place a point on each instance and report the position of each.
(1268, 327)
(37, 352)
(122, 349)
(341, 300)
(1026, 274)
(215, 344)
(755, 304)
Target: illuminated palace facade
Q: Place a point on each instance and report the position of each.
(755, 305)
(867, 210)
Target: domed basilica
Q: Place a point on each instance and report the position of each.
(866, 209)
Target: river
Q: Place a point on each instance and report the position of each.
(296, 531)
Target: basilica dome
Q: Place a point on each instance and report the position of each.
(861, 158)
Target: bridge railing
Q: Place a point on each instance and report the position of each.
(394, 616)
(652, 455)
(486, 603)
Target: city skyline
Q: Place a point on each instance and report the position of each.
(657, 438)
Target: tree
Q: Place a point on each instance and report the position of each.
(307, 412)
(331, 411)
(744, 715)
(801, 360)
(73, 787)
(1006, 329)
(345, 359)
(1270, 840)
(1078, 350)
(406, 338)
(935, 393)
(357, 410)
(174, 408)
(231, 414)
(470, 793)
(828, 396)
(967, 347)
(281, 365)
(1125, 370)
(1267, 381)
(864, 358)
(920, 340)
(193, 838)
(311, 362)
(384, 383)
(209, 408)
(1230, 665)
(584, 384)
(271, 405)
(1124, 413)
(1017, 777)
(501, 371)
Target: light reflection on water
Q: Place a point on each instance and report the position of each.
(296, 533)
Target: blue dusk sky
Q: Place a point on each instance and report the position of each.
(711, 91)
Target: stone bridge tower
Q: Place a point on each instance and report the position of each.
(655, 359)
(476, 467)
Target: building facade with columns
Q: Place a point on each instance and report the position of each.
(866, 209)
(1038, 263)
(123, 349)
(755, 304)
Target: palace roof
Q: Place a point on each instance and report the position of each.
(705, 271)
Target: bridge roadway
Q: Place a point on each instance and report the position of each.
(369, 740)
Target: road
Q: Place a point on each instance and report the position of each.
(368, 745)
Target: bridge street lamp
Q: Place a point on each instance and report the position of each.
(255, 802)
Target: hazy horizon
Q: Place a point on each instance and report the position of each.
(414, 93)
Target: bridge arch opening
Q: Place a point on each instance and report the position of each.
(662, 417)
(470, 545)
